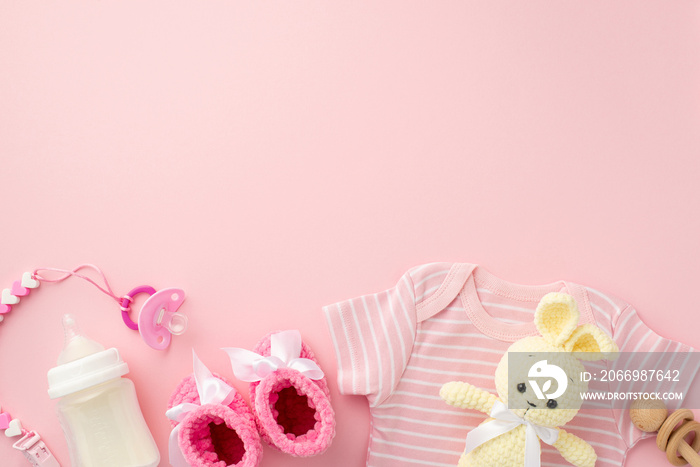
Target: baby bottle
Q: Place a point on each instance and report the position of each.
(98, 409)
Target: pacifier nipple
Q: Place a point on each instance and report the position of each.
(177, 324)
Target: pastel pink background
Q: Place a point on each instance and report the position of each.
(272, 157)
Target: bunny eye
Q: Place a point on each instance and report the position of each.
(521, 387)
(552, 404)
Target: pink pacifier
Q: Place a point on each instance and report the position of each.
(158, 319)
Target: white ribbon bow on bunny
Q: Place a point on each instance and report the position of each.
(211, 390)
(505, 420)
(285, 352)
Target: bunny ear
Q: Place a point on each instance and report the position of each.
(556, 317)
(591, 343)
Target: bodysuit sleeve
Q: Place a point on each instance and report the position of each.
(644, 347)
(373, 336)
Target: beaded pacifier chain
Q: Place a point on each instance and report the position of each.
(157, 320)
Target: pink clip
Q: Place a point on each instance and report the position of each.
(35, 450)
(158, 319)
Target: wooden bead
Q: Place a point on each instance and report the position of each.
(648, 414)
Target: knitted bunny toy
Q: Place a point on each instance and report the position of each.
(511, 438)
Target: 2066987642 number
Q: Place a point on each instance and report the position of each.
(639, 375)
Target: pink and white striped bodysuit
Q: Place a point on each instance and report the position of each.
(445, 322)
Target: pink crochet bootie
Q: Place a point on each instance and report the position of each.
(288, 392)
(220, 432)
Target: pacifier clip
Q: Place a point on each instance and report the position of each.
(158, 320)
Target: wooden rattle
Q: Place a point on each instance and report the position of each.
(650, 415)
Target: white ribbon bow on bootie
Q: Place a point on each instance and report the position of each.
(211, 391)
(285, 352)
(505, 420)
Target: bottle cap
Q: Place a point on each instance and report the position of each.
(82, 363)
